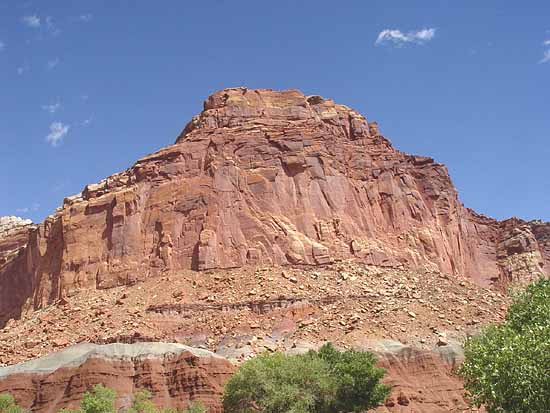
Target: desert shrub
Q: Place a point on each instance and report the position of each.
(507, 367)
(8, 404)
(100, 399)
(142, 403)
(324, 381)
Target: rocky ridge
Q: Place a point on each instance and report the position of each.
(175, 374)
(263, 177)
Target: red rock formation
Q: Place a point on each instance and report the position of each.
(173, 373)
(523, 249)
(15, 285)
(263, 177)
(422, 380)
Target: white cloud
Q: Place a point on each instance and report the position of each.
(85, 18)
(2, 45)
(546, 53)
(35, 207)
(32, 21)
(52, 108)
(58, 131)
(53, 63)
(398, 38)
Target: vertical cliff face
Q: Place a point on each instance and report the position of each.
(16, 287)
(262, 177)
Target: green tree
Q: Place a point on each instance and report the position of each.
(196, 407)
(8, 404)
(357, 378)
(142, 403)
(507, 367)
(100, 400)
(312, 382)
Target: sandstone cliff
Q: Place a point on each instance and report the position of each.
(263, 177)
(175, 374)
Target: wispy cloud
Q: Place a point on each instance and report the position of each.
(35, 207)
(51, 27)
(2, 45)
(52, 108)
(546, 53)
(52, 64)
(396, 37)
(31, 21)
(58, 131)
(85, 18)
(87, 121)
(21, 70)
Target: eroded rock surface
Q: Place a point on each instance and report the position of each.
(175, 375)
(421, 380)
(264, 177)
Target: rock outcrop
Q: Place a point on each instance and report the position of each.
(421, 380)
(13, 236)
(175, 375)
(264, 177)
(16, 287)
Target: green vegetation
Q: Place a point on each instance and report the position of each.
(142, 404)
(507, 367)
(320, 382)
(101, 399)
(8, 405)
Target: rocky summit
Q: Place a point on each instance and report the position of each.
(276, 221)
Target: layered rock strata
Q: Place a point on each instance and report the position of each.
(175, 375)
(264, 177)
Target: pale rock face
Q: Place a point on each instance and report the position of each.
(264, 177)
(12, 222)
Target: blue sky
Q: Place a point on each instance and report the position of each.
(88, 87)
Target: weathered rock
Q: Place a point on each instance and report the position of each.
(15, 278)
(175, 374)
(13, 237)
(264, 177)
(421, 380)
(523, 250)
